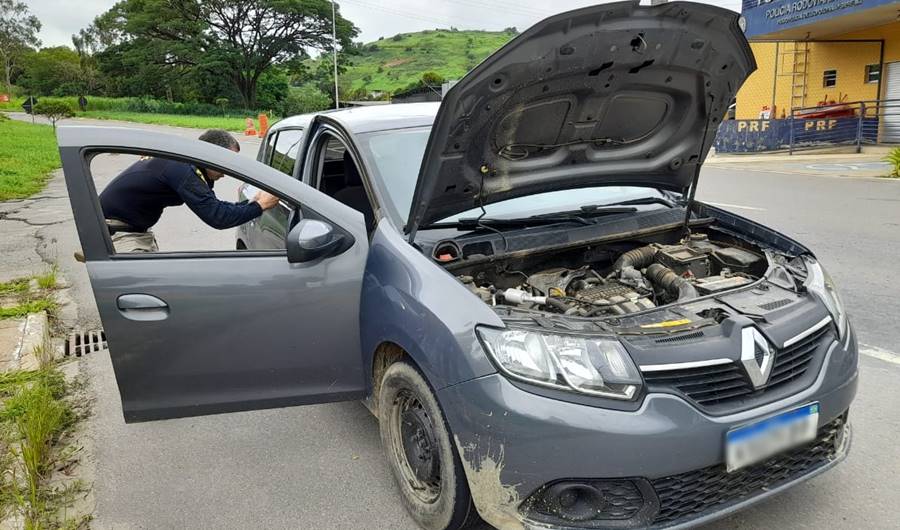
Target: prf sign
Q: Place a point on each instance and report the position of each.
(753, 125)
(819, 125)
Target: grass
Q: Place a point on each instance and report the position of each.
(390, 65)
(48, 279)
(177, 120)
(28, 154)
(34, 419)
(27, 300)
(25, 307)
(37, 419)
(893, 158)
(19, 285)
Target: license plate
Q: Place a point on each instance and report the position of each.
(752, 443)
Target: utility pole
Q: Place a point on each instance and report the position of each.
(337, 101)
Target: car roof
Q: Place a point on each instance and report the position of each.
(372, 118)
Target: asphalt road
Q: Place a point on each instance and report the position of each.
(321, 466)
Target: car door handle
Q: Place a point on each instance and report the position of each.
(142, 307)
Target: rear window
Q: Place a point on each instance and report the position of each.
(284, 152)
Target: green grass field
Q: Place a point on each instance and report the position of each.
(389, 64)
(28, 154)
(177, 120)
(196, 115)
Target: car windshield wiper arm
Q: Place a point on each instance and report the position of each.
(629, 202)
(577, 216)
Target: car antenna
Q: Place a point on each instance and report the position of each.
(692, 191)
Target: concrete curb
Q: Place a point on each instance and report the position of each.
(34, 345)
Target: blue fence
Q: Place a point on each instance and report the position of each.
(741, 136)
(860, 122)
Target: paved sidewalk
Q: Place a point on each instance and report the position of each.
(868, 164)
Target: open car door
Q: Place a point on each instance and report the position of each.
(194, 333)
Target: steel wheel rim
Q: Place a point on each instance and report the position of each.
(407, 408)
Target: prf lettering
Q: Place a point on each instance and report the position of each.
(753, 126)
(819, 125)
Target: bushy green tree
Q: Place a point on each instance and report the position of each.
(53, 111)
(18, 35)
(272, 89)
(51, 72)
(305, 99)
(237, 39)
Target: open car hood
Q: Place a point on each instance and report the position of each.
(614, 94)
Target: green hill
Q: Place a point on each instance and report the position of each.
(393, 63)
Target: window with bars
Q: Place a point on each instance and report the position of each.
(829, 78)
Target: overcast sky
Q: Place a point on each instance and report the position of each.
(374, 18)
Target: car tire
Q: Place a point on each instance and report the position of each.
(433, 486)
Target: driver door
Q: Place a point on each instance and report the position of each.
(194, 333)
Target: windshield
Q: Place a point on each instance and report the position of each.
(395, 157)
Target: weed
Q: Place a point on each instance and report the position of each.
(28, 306)
(17, 286)
(34, 418)
(48, 279)
(893, 158)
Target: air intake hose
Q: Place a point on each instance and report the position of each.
(637, 258)
(672, 283)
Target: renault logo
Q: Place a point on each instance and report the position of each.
(756, 356)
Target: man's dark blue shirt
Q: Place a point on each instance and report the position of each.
(140, 193)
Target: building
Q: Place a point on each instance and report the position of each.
(813, 53)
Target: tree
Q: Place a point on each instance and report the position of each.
(51, 72)
(305, 99)
(241, 39)
(86, 46)
(18, 35)
(53, 111)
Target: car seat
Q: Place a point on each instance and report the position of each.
(354, 194)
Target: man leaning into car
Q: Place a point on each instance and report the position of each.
(134, 201)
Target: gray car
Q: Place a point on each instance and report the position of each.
(551, 330)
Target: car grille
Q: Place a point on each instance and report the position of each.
(691, 494)
(719, 388)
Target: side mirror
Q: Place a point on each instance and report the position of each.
(310, 240)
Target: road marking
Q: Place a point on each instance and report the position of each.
(738, 206)
(879, 353)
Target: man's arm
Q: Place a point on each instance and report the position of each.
(214, 212)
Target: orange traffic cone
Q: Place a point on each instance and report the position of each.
(250, 130)
(263, 125)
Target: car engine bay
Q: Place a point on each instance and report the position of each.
(607, 281)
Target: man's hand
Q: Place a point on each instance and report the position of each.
(265, 200)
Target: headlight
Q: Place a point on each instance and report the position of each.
(599, 367)
(819, 282)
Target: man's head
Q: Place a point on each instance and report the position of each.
(222, 139)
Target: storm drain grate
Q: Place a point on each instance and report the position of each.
(83, 342)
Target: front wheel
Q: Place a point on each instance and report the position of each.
(421, 455)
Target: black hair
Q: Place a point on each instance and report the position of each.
(221, 138)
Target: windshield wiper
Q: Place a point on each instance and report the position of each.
(577, 216)
(636, 202)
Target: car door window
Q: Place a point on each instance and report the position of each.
(146, 211)
(284, 154)
(270, 148)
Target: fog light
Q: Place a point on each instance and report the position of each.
(593, 503)
(575, 502)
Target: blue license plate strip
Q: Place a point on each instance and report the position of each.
(751, 443)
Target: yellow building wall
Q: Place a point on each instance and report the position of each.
(764, 87)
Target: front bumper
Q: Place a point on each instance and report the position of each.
(513, 442)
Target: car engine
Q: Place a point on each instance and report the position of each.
(639, 279)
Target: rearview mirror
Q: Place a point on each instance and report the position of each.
(310, 240)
